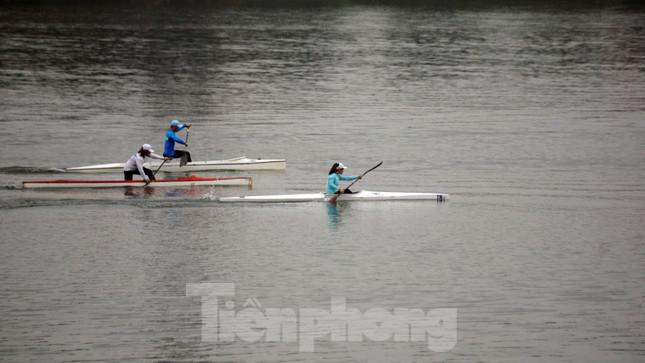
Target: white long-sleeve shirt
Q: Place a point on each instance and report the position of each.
(136, 162)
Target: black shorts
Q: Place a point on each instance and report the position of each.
(347, 191)
(127, 174)
(179, 154)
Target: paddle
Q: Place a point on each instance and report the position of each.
(184, 160)
(335, 197)
(155, 172)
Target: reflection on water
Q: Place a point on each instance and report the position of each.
(196, 192)
(134, 192)
(333, 214)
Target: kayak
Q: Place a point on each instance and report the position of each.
(363, 195)
(241, 163)
(190, 181)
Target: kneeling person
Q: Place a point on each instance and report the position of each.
(172, 138)
(134, 165)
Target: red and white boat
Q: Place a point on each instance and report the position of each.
(190, 181)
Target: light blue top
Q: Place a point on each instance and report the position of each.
(333, 182)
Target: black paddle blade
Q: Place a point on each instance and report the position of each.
(374, 167)
(183, 161)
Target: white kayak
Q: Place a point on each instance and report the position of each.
(241, 163)
(190, 181)
(363, 195)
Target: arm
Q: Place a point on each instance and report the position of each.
(346, 178)
(140, 167)
(172, 135)
(155, 156)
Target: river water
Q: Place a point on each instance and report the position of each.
(531, 118)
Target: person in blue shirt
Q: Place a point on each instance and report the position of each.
(334, 178)
(172, 138)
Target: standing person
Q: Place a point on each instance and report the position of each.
(134, 165)
(171, 138)
(334, 178)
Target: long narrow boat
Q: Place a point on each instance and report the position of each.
(241, 163)
(363, 195)
(185, 182)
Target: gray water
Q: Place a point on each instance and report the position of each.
(531, 118)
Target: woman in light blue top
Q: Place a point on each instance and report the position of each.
(334, 178)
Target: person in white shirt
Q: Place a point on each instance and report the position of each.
(134, 165)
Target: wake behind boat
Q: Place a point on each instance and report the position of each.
(363, 195)
(241, 163)
(185, 182)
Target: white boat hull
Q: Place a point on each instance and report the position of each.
(321, 197)
(241, 163)
(174, 183)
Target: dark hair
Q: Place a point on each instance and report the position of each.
(333, 169)
(142, 151)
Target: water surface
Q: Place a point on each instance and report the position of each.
(531, 118)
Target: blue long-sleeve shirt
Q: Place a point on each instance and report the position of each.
(333, 182)
(169, 145)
